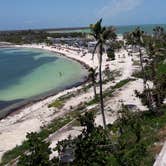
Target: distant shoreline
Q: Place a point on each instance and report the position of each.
(82, 28)
(46, 29)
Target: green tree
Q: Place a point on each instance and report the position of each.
(156, 52)
(101, 35)
(92, 146)
(118, 145)
(37, 154)
(137, 36)
(158, 32)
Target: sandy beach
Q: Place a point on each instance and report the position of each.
(13, 128)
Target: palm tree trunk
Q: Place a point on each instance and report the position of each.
(94, 89)
(101, 88)
(156, 84)
(142, 67)
(146, 87)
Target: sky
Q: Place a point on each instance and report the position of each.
(34, 14)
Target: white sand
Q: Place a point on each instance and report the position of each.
(126, 95)
(161, 159)
(14, 128)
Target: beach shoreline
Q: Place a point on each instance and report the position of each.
(13, 129)
(24, 103)
(17, 106)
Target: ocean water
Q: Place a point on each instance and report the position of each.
(145, 28)
(119, 29)
(25, 73)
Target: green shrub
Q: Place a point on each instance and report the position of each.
(56, 104)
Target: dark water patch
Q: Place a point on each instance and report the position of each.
(4, 104)
(25, 61)
(14, 66)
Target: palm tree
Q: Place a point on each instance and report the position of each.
(92, 76)
(101, 35)
(138, 40)
(156, 54)
(128, 36)
(137, 37)
(158, 32)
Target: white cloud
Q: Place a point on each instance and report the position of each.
(116, 7)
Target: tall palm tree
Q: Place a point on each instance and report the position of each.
(92, 76)
(158, 32)
(138, 40)
(137, 37)
(152, 55)
(101, 35)
(156, 53)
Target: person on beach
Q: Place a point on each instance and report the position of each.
(60, 74)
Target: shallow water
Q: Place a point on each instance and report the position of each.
(25, 73)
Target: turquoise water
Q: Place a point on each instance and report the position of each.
(146, 28)
(25, 73)
(119, 29)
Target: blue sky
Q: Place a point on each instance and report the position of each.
(29, 14)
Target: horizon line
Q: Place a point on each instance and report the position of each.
(75, 27)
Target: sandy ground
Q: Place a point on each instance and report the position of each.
(123, 95)
(13, 129)
(123, 63)
(161, 159)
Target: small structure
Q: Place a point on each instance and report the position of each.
(67, 155)
(72, 41)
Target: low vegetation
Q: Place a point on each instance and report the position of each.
(129, 141)
(152, 65)
(56, 104)
(43, 134)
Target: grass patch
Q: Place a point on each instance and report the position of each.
(136, 63)
(56, 104)
(93, 101)
(117, 86)
(108, 92)
(122, 83)
(66, 96)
